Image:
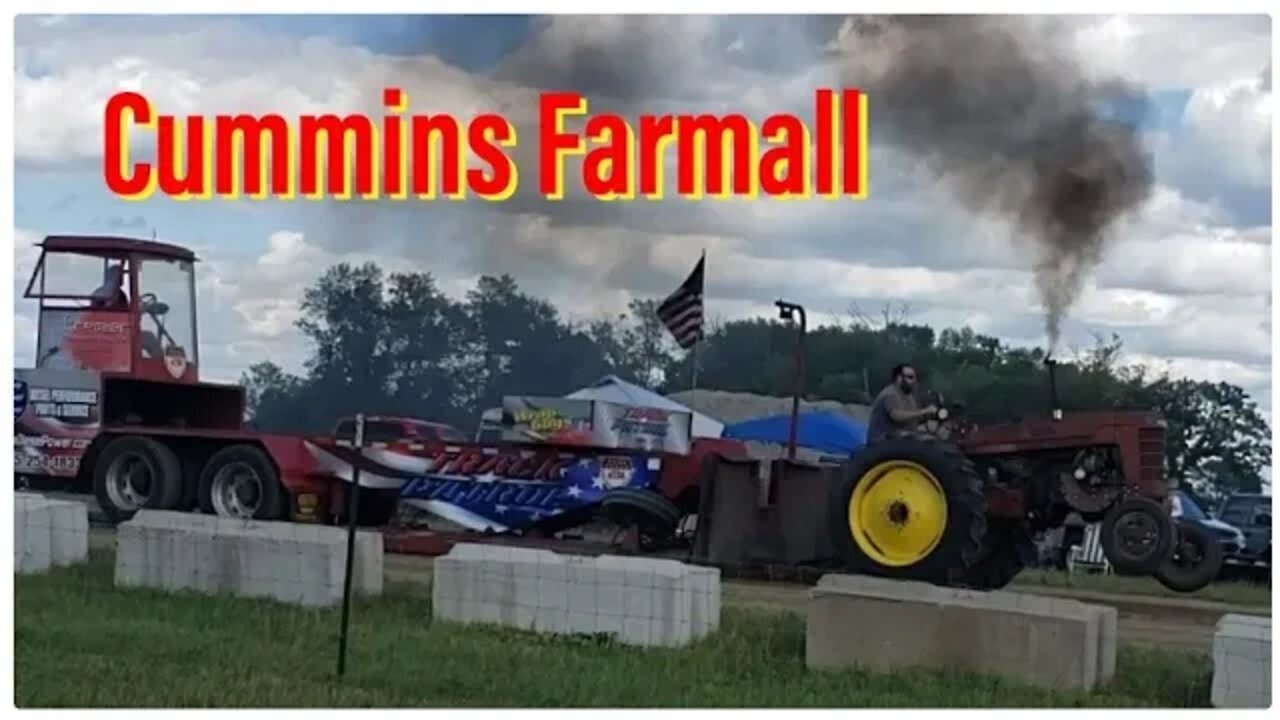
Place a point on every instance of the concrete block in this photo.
(881, 625)
(705, 585)
(1242, 662)
(48, 533)
(639, 601)
(288, 562)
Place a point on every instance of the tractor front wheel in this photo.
(909, 507)
(1137, 536)
(1195, 562)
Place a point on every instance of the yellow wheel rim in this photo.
(898, 513)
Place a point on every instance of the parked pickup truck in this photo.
(1252, 514)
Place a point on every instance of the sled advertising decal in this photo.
(55, 420)
(642, 428)
(19, 398)
(595, 423)
(482, 488)
(559, 421)
(84, 340)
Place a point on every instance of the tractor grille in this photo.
(1151, 456)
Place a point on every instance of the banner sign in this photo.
(642, 428)
(595, 423)
(56, 416)
(552, 420)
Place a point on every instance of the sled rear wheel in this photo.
(135, 472)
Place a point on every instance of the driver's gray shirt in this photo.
(882, 423)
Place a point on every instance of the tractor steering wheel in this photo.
(947, 422)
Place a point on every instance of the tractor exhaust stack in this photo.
(1054, 407)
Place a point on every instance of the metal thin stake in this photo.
(352, 514)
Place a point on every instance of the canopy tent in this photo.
(612, 388)
(829, 432)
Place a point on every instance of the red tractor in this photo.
(960, 504)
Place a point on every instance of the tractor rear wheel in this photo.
(1006, 549)
(909, 507)
(1137, 536)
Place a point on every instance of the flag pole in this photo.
(693, 385)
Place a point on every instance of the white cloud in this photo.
(1231, 122)
(1172, 52)
(1181, 281)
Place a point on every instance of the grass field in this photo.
(1235, 592)
(82, 643)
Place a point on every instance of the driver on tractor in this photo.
(895, 408)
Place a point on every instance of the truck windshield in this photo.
(1236, 511)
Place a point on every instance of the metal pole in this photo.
(352, 515)
(787, 310)
(693, 384)
(799, 387)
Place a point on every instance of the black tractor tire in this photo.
(1007, 550)
(272, 500)
(1195, 561)
(160, 462)
(1137, 536)
(958, 546)
(655, 515)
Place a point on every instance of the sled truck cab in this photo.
(116, 345)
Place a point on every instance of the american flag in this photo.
(681, 312)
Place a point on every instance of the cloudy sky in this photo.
(1185, 280)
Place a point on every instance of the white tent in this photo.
(612, 388)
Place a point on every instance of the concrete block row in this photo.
(48, 533)
(882, 625)
(288, 562)
(1242, 662)
(638, 601)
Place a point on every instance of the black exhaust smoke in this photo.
(1000, 113)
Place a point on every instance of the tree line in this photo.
(395, 344)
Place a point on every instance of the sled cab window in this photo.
(69, 279)
(83, 321)
(166, 308)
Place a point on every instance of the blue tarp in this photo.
(828, 432)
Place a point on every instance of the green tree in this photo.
(1217, 441)
(398, 344)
